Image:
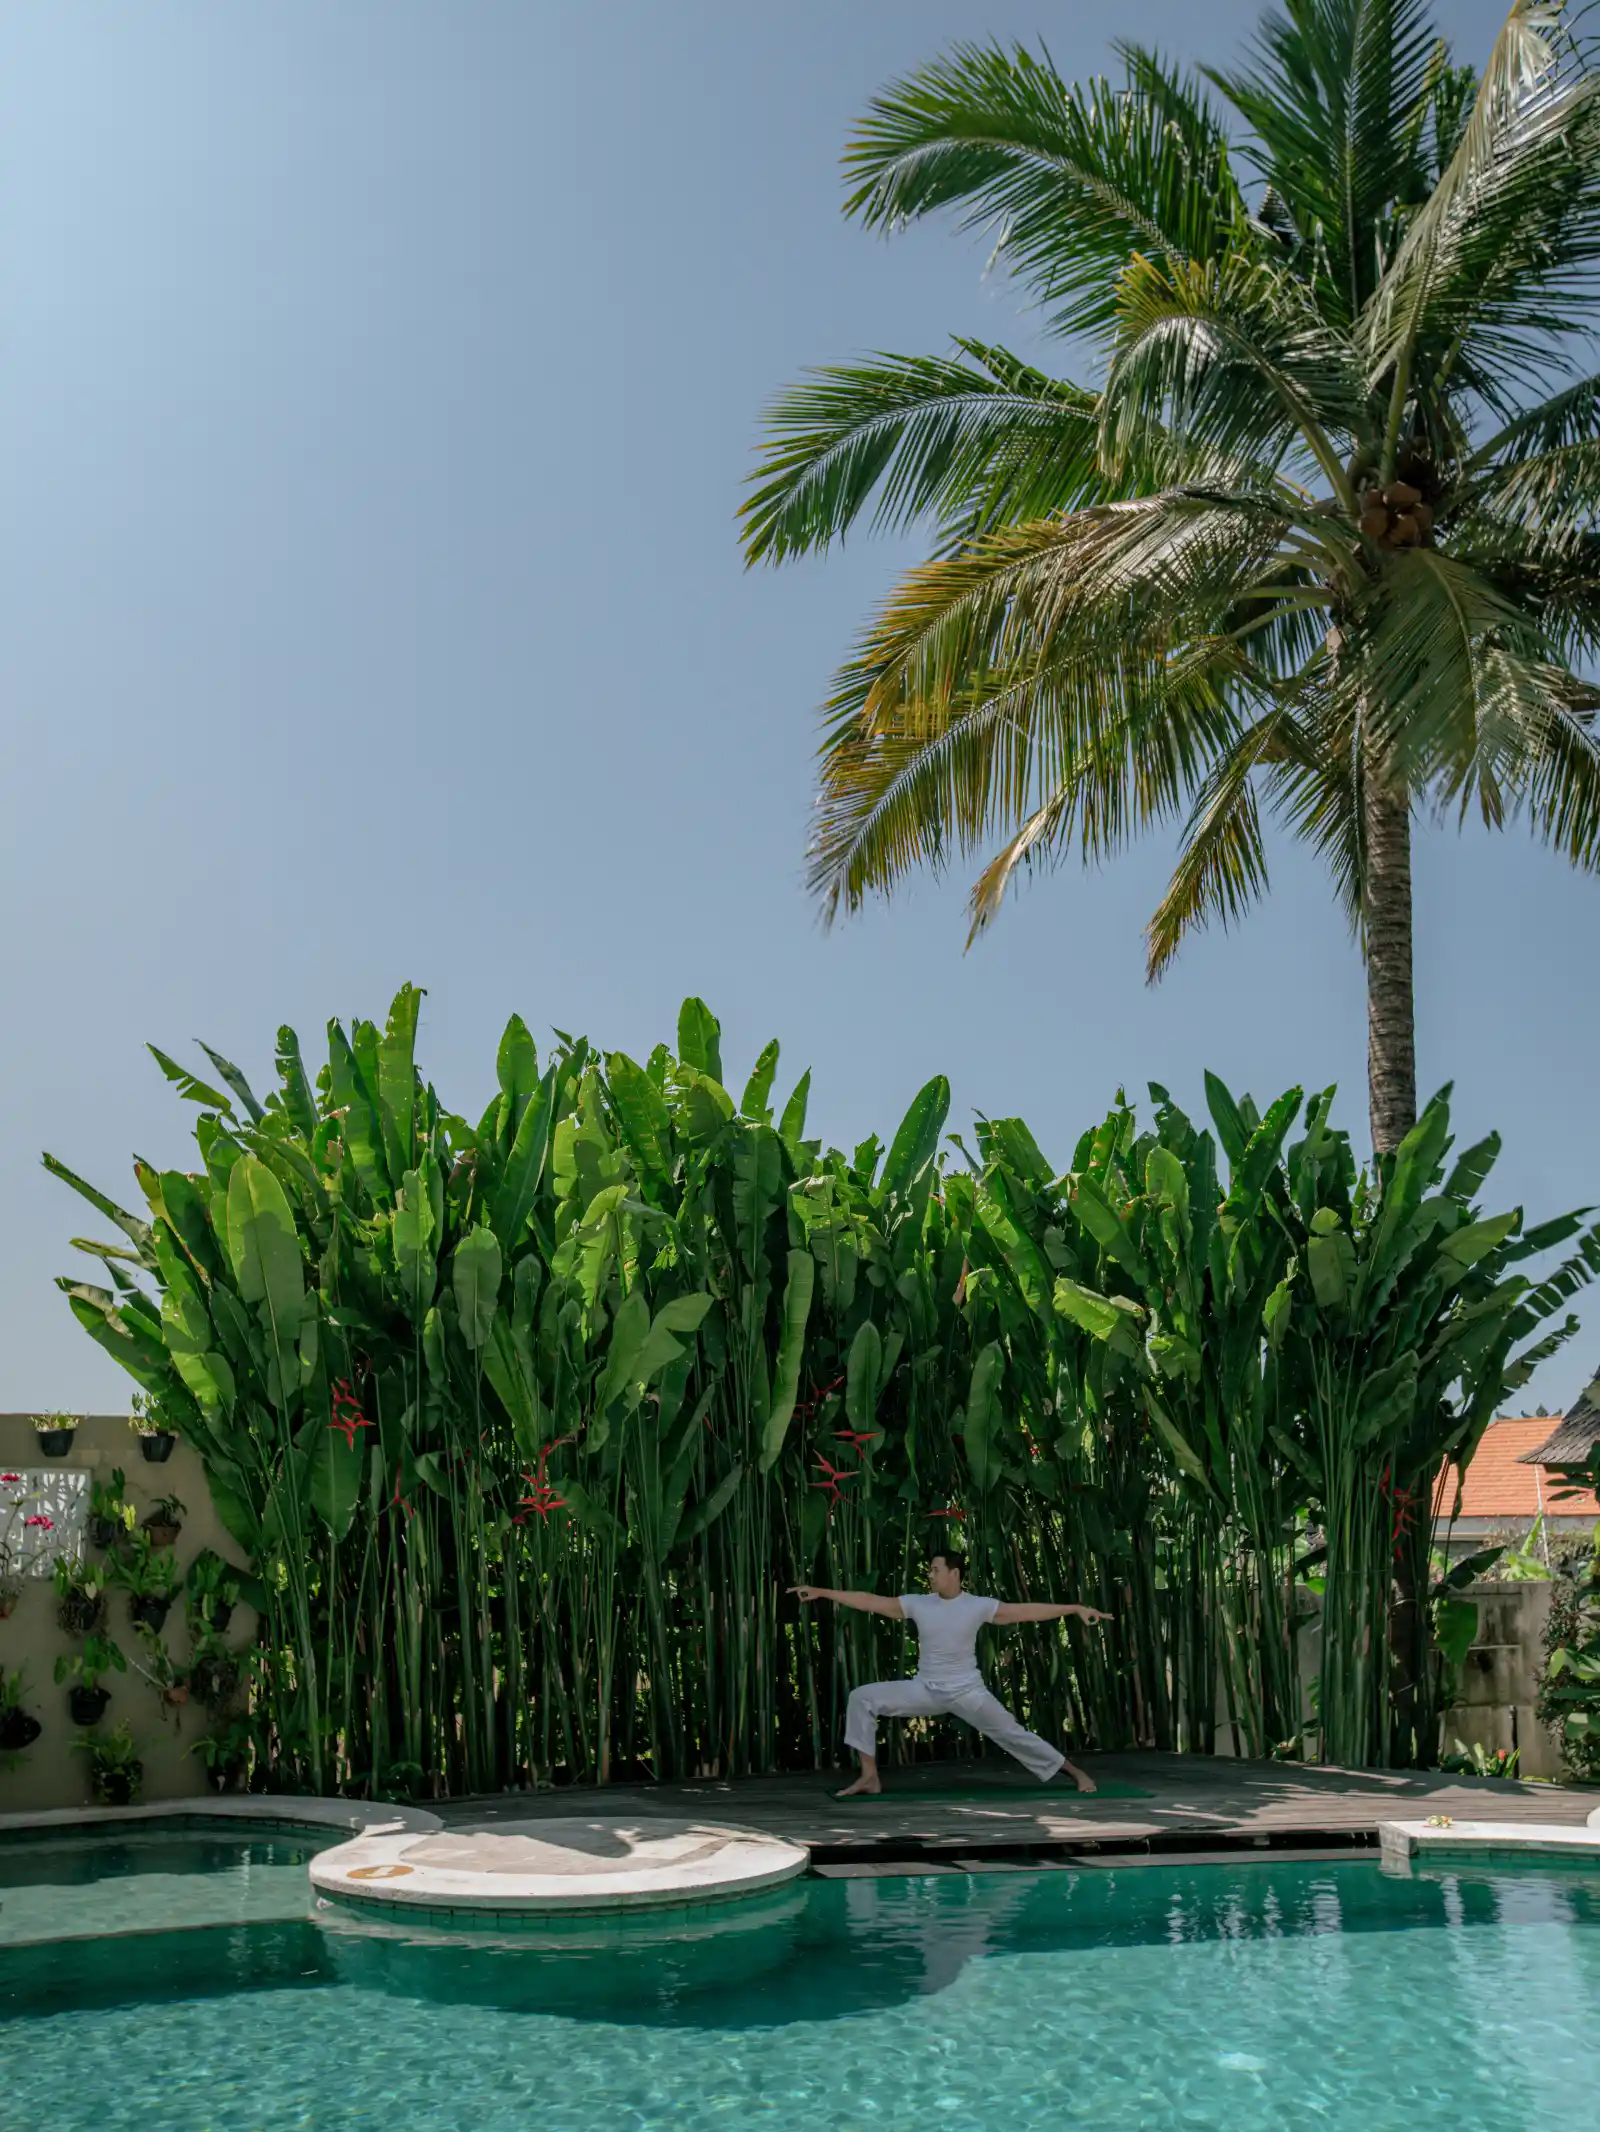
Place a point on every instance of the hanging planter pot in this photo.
(18, 1729)
(156, 1449)
(177, 1695)
(118, 1787)
(221, 1615)
(81, 1613)
(148, 1612)
(104, 1532)
(214, 1678)
(161, 1533)
(88, 1705)
(227, 1775)
(54, 1443)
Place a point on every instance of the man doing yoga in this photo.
(947, 1681)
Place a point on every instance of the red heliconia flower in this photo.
(835, 1473)
(398, 1502)
(49, 1524)
(544, 1499)
(347, 1414)
(830, 1490)
(858, 1437)
(961, 1514)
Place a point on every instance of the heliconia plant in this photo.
(525, 1424)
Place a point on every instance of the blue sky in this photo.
(377, 382)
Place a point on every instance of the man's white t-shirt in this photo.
(947, 1635)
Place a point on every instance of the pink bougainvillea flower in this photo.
(49, 1524)
(10, 1477)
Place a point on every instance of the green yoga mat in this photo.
(904, 1793)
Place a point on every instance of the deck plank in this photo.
(1190, 1795)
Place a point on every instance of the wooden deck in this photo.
(1195, 1801)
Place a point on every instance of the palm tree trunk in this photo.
(1392, 1103)
(1391, 1007)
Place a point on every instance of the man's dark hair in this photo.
(951, 1556)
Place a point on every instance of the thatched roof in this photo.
(1575, 1435)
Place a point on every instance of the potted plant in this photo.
(168, 1680)
(10, 1582)
(149, 1576)
(214, 1672)
(149, 1424)
(19, 1728)
(226, 1754)
(110, 1518)
(80, 1597)
(212, 1589)
(164, 1520)
(116, 1773)
(86, 1669)
(55, 1433)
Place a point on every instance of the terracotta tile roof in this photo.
(1500, 1486)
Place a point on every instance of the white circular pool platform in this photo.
(536, 1868)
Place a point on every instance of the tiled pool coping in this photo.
(1401, 1841)
(277, 1812)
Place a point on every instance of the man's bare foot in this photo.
(863, 1787)
(1080, 1777)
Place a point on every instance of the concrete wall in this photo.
(51, 1772)
(1500, 1680)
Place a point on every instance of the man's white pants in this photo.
(968, 1700)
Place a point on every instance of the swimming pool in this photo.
(1127, 1998)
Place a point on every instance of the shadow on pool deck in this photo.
(1199, 1796)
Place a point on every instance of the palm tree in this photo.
(1319, 545)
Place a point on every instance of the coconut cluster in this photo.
(1396, 517)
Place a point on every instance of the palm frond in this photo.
(1338, 96)
(1227, 357)
(1505, 253)
(1570, 416)
(1555, 495)
(920, 434)
(1563, 789)
(1222, 866)
(1118, 742)
(1419, 670)
(1148, 574)
(1072, 177)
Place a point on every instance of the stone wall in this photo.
(1500, 1680)
(52, 1772)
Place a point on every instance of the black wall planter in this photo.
(148, 1613)
(88, 1705)
(213, 1680)
(104, 1532)
(54, 1443)
(80, 1615)
(116, 1787)
(157, 1449)
(18, 1729)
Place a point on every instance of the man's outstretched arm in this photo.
(1044, 1610)
(861, 1602)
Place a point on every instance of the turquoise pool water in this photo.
(1131, 2000)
